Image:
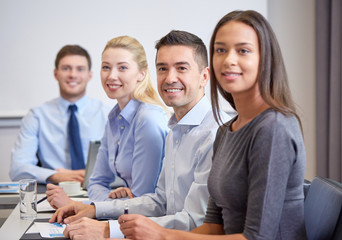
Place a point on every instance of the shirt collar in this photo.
(195, 116)
(80, 103)
(127, 113)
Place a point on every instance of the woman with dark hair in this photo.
(256, 180)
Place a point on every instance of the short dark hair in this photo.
(72, 50)
(183, 38)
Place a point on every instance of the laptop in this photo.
(92, 154)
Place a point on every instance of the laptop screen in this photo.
(92, 153)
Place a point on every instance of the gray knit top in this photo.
(256, 180)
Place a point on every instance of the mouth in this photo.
(73, 83)
(173, 90)
(230, 76)
(113, 86)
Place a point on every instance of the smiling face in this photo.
(236, 58)
(73, 75)
(120, 74)
(180, 81)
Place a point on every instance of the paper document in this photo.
(32, 229)
(50, 230)
(9, 187)
(46, 207)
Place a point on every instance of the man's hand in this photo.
(72, 212)
(56, 196)
(135, 226)
(121, 192)
(86, 228)
(63, 175)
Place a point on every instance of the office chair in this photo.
(322, 208)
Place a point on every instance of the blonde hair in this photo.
(144, 90)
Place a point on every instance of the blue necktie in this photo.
(75, 145)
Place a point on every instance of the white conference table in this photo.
(14, 227)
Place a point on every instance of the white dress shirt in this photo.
(181, 196)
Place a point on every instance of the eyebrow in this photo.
(105, 62)
(70, 65)
(238, 44)
(176, 64)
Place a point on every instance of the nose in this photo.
(113, 74)
(230, 59)
(73, 72)
(171, 77)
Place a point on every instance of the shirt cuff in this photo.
(114, 229)
(104, 210)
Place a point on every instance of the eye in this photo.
(81, 69)
(244, 51)
(161, 69)
(105, 68)
(220, 50)
(122, 68)
(182, 68)
(65, 68)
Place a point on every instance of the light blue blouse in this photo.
(132, 148)
(44, 129)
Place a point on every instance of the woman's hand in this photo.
(121, 192)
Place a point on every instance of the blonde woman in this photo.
(133, 143)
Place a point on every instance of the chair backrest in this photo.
(306, 187)
(322, 209)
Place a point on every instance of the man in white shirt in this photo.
(181, 195)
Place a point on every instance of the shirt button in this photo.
(118, 142)
(122, 127)
(120, 117)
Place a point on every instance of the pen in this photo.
(126, 209)
(41, 200)
(125, 212)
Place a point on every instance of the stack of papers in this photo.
(9, 187)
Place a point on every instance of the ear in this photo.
(90, 75)
(141, 76)
(205, 75)
(55, 73)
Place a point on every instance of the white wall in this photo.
(33, 31)
(294, 24)
(7, 139)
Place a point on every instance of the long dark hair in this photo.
(272, 77)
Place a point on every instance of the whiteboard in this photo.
(33, 31)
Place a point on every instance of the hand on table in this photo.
(121, 192)
(56, 196)
(86, 228)
(72, 212)
(63, 175)
(135, 226)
